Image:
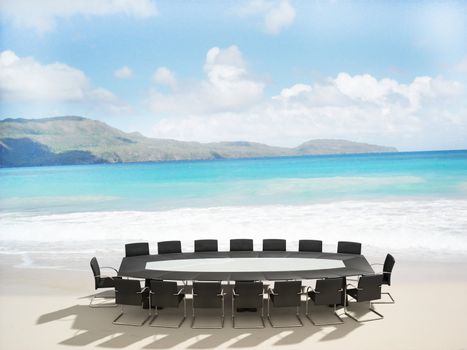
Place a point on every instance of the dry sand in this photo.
(48, 309)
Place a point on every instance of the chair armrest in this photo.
(271, 291)
(311, 289)
(354, 286)
(110, 267)
(234, 293)
(222, 294)
(143, 290)
(105, 276)
(180, 291)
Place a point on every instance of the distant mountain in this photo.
(78, 140)
(339, 147)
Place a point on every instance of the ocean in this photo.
(413, 203)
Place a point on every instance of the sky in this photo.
(280, 72)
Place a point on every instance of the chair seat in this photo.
(353, 292)
(168, 303)
(107, 282)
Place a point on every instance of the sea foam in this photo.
(410, 227)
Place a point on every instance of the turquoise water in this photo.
(290, 180)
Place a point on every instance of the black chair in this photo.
(206, 245)
(169, 247)
(368, 289)
(387, 272)
(274, 245)
(207, 295)
(329, 291)
(136, 249)
(310, 245)
(101, 281)
(285, 294)
(241, 245)
(345, 247)
(165, 294)
(129, 292)
(247, 295)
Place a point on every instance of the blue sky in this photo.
(280, 72)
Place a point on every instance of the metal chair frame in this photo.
(234, 294)
(94, 297)
(193, 315)
(156, 313)
(297, 313)
(309, 289)
(371, 308)
(386, 293)
(123, 312)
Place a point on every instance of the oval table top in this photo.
(232, 266)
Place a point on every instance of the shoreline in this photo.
(427, 229)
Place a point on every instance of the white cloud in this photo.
(275, 15)
(42, 15)
(123, 72)
(428, 112)
(23, 79)
(228, 86)
(279, 17)
(164, 76)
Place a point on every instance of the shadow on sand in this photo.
(94, 325)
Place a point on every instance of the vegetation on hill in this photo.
(78, 140)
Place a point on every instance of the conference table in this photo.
(248, 265)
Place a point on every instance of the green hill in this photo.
(78, 140)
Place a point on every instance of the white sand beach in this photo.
(48, 309)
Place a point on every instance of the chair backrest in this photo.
(169, 247)
(310, 245)
(164, 293)
(250, 294)
(288, 293)
(205, 294)
(369, 287)
(330, 291)
(127, 292)
(241, 245)
(96, 271)
(206, 245)
(349, 247)
(387, 269)
(136, 249)
(278, 245)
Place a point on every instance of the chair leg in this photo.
(257, 327)
(386, 302)
(166, 326)
(100, 306)
(97, 306)
(287, 326)
(193, 318)
(371, 308)
(325, 323)
(128, 323)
